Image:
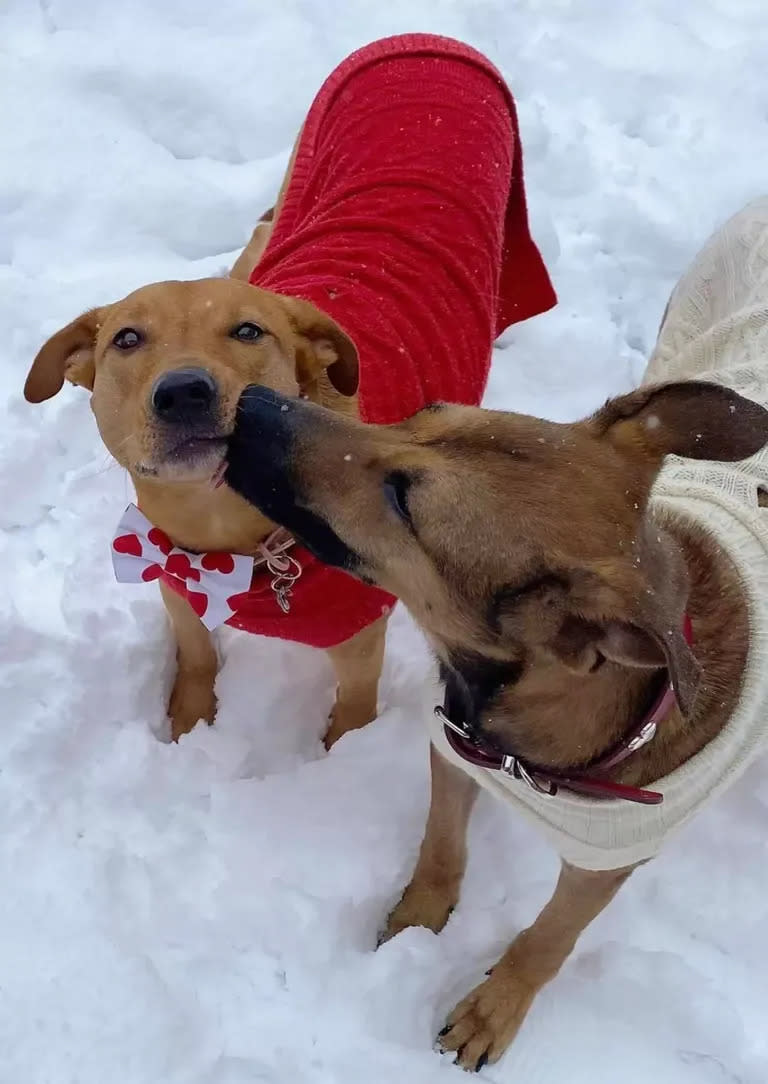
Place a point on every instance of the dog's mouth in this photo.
(193, 459)
(192, 449)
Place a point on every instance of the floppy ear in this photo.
(694, 419)
(322, 346)
(582, 616)
(641, 619)
(67, 354)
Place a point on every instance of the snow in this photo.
(207, 913)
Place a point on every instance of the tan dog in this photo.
(413, 235)
(559, 603)
(166, 367)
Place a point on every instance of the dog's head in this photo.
(511, 539)
(167, 365)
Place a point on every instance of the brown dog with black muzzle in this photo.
(599, 615)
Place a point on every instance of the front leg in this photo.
(357, 663)
(434, 888)
(483, 1025)
(192, 697)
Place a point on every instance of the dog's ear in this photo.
(639, 615)
(694, 419)
(322, 346)
(69, 354)
(582, 616)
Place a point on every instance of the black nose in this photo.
(183, 395)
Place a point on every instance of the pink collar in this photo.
(588, 781)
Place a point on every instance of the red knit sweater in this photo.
(405, 221)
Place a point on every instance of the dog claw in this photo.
(482, 1062)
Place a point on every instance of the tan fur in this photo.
(357, 664)
(482, 1026)
(531, 544)
(189, 323)
(434, 888)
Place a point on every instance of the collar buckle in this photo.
(458, 728)
(514, 767)
(643, 737)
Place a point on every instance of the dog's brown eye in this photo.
(396, 486)
(247, 332)
(127, 338)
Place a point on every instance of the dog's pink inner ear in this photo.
(693, 419)
(67, 354)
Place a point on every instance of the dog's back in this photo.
(405, 221)
(716, 324)
(716, 329)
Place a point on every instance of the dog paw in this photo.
(482, 1026)
(425, 905)
(192, 699)
(346, 717)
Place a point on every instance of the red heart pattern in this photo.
(161, 540)
(218, 562)
(178, 564)
(198, 602)
(206, 580)
(128, 543)
(236, 601)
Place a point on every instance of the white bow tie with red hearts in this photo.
(142, 552)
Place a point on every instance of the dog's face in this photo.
(168, 363)
(509, 538)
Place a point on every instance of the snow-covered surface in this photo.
(207, 913)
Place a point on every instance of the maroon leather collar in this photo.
(589, 780)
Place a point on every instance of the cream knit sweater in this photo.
(716, 328)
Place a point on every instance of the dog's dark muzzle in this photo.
(259, 456)
(272, 433)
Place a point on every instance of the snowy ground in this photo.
(206, 914)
